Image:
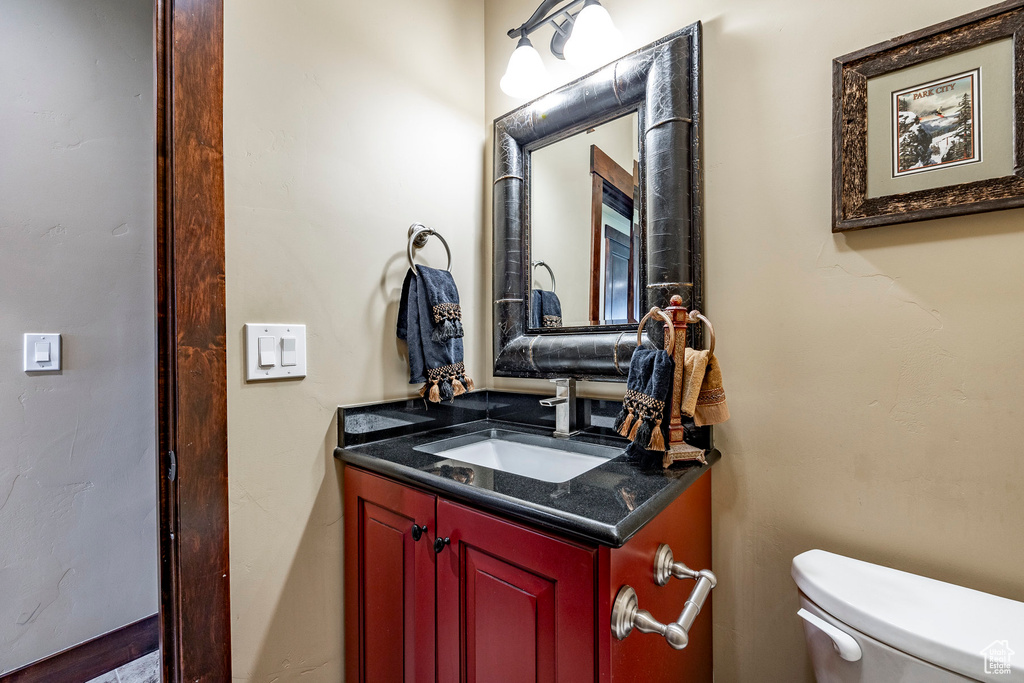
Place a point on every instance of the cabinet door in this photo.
(389, 581)
(513, 605)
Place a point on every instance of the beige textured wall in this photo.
(344, 123)
(874, 378)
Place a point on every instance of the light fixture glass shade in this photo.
(525, 75)
(594, 39)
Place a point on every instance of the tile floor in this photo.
(143, 670)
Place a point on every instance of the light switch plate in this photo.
(254, 372)
(31, 364)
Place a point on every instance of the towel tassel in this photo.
(443, 332)
(460, 389)
(643, 433)
(435, 393)
(636, 426)
(626, 423)
(620, 419)
(657, 438)
(447, 391)
(469, 383)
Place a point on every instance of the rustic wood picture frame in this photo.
(852, 209)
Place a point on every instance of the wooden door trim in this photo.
(195, 614)
(610, 170)
(596, 240)
(605, 169)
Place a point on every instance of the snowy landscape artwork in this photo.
(936, 125)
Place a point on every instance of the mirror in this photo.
(598, 214)
(585, 228)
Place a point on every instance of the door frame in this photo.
(604, 169)
(195, 617)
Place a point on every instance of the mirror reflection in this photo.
(584, 228)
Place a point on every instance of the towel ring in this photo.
(671, 347)
(697, 316)
(418, 234)
(538, 264)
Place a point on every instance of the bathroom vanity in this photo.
(456, 571)
(478, 547)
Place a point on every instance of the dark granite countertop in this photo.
(605, 505)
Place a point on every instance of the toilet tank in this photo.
(936, 624)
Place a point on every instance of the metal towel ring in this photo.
(418, 234)
(671, 347)
(697, 316)
(538, 264)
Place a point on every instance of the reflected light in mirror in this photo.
(525, 75)
(594, 39)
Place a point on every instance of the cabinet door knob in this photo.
(440, 543)
(418, 531)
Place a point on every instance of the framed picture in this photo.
(931, 124)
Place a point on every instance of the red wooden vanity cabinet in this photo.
(501, 602)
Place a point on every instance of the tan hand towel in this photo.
(711, 406)
(694, 366)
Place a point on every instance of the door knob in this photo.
(440, 543)
(418, 531)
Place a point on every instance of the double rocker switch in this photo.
(268, 352)
(274, 351)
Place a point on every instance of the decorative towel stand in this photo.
(418, 235)
(676, 318)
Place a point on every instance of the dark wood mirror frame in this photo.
(195, 618)
(663, 82)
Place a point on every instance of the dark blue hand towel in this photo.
(434, 360)
(648, 395)
(545, 309)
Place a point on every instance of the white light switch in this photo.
(42, 352)
(268, 357)
(274, 352)
(288, 356)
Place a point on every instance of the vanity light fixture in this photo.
(586, 37)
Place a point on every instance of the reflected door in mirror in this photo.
(614, 242)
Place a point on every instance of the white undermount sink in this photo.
(529, 455)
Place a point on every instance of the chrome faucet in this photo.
(564, 403)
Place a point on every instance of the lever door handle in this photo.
(440, 543)
(418, 531)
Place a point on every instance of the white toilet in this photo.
(870, 624)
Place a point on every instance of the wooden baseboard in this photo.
(94, 657)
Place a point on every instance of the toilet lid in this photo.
(963, 630)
